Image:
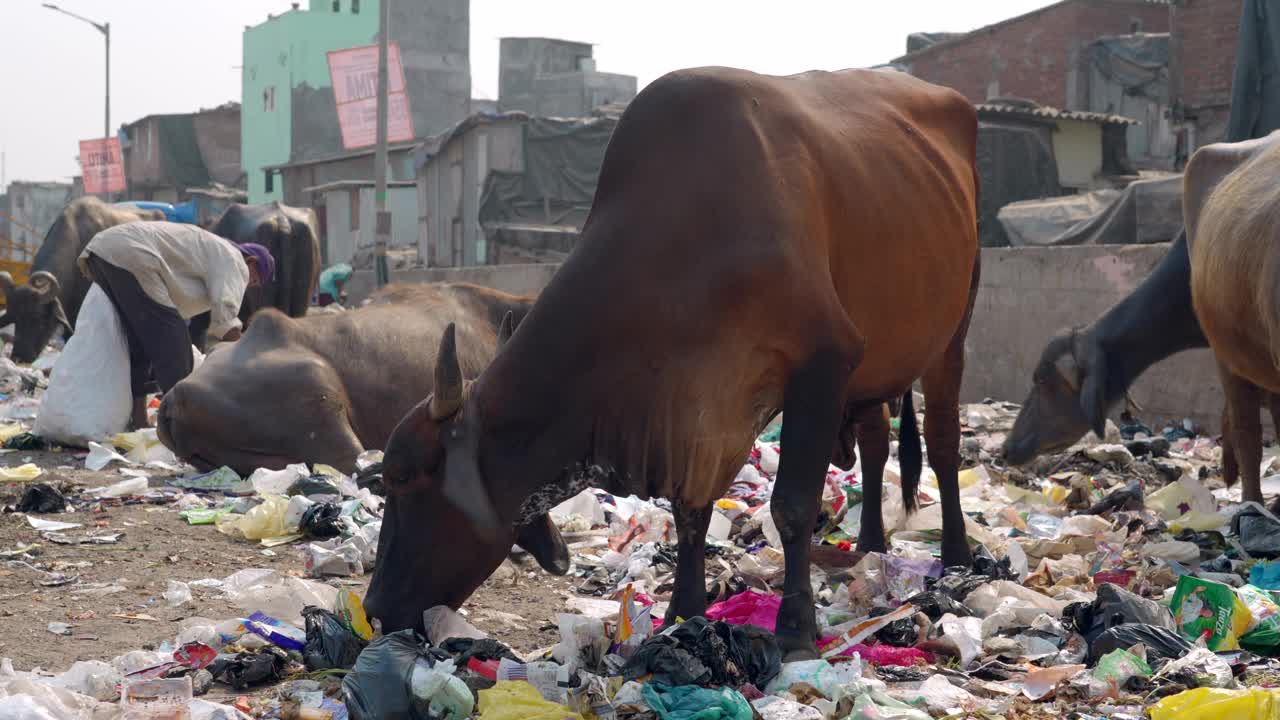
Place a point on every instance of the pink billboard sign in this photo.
(354, 74)
(102, 165)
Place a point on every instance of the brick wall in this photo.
(1033, 56)
(1206, 36)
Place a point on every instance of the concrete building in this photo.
(1205, 35)
(1040, 55)
(344, 208)
(32, 208)
(166, 155)
(1088, 147)
(289, 115)
(556, 78)
(508, 188)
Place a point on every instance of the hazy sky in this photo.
(171, 56)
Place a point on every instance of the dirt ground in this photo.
(156, 546)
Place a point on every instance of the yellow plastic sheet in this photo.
(1198, 521)
(264, 522)
(1216, 704)
(518, 700)
(21, 473)
(9, 430)
(352, 610)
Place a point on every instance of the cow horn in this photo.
(45, 283)
(447, 398)
(6, 281)
(505, 329)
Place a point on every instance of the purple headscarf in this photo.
(266, 263)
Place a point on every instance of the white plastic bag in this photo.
(89, 396)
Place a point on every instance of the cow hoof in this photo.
(957, 557)
(800, 654)
(795, 649)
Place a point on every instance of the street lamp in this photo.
(105, 29)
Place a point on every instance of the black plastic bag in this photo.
(698, 652)
(463, 649)
(371, 479)
(1128, 497)
(330, 644)
(900, 633)
(313, 485)
(321, 521)
(936, 603)
(26, 441)
(378, 685)
(957, 585)
(245, 669)
(41, 498)
(984, 563)
(754, 650)
(1116, 606)
(1259, 534)
(1162, 644)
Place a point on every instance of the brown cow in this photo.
(1231, 208)
(745, 254)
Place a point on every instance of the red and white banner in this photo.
(102, 165)
(354, 74)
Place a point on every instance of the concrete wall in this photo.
(517, 279)
(555, 78)
(1026, 296)
(1029, 294)
(342, 237)
(1038, 56)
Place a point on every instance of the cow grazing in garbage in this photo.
(291, 234)
(1231, 208)
(325, 388)
(1084, 372)
(744, 255)
(51, 298)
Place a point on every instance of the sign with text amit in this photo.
(354, 74)
(102, 165)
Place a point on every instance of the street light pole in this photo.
(382, 221)
(105, 29)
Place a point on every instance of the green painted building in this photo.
(287, 111)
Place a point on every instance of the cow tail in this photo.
(910, 455)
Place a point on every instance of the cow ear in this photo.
(505, 329)
(1093, 393)
(542, 539)
(446, 398)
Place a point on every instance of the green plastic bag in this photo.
(690, 702)
(1211, 612)
(1116, 667)
(876, 705)
(1263, 636)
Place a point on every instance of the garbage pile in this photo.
(1116, 579)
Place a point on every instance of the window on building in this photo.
(355, 7)
(269, 99)
(268, 181)
(337, 6)
(1135, 25)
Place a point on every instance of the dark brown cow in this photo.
(757, 244)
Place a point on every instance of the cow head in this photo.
(1067, 398)
(446, 527)
(35, 311)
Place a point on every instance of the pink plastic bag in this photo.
(882, 654)
(748, 608)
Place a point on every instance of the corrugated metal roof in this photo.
(1044, 112)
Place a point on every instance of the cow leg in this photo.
(812, 409)
(1244, 403)
(941, 385)
(873, 442)
(1230, 470)
(689, 598)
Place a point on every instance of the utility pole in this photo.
(105, 29)
(382, 226)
